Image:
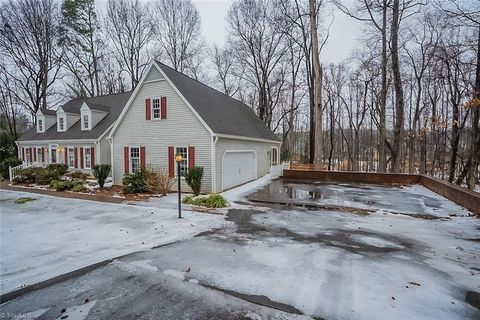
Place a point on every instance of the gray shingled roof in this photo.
(113, 103)
(48, 112)
(223, 114)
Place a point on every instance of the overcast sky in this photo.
(344, 31)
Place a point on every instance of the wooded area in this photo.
(407, 100)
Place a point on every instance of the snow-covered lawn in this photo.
(50, 236)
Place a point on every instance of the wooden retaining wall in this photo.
(460, 195)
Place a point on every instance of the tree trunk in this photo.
(475, 143)
(397, 82)
(382, 160)
(317, 71)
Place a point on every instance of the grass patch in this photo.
(23, 200)
(211, 201)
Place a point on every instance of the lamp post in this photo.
(178, 159)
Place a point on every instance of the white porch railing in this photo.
(277, 171)
(13, 171)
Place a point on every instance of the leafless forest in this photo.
(407, 100)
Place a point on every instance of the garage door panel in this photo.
(238, 167)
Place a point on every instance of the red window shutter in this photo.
(75, 156)
(171, 161)
(31, 154)
(66, 156)
(43, 154)
(92, 155)
(148, 109)
(163, 107)
(125, 160)
(191, 157)
(81, 158)
(35, 155)
(142, 157)
(23, 154)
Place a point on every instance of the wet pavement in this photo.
(411, 200)
(283, 262)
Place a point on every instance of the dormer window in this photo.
(40, 124)
(61, 123)
(86, 120)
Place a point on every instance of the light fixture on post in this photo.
(179, 159)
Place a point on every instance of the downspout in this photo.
(98, 160)
(213, 156)
(110, 141)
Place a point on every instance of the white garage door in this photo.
(238, 167)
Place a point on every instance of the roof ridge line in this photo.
(200, 82)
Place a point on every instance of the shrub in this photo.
(159, 181)
(58, 185)
(79, 187)
(6, 163)
(77, 174)
(101, 172)
(211, 201)
(135, 182)
(30, 175)
(57, 169)
(193, 177)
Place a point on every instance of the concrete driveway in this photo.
(282, 262)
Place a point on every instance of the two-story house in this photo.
(168, 113)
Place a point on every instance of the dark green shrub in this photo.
(101, 172)
(28, 175)
(58, 185)
(6, 163)
(212, 201)
(135, 182)
(193, 177)
(57, 169)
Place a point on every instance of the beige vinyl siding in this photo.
(181, 128)
(154, 74)
(261, 149)
(104, 157)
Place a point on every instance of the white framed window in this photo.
(134, 159)
(39, 154)
(156, 108)
(183, 151)
(85, 121)
(87, 158)
(71, 157)
(40, 124)
(273, 156)
(27, 155)
(53, 153)
(61, 124)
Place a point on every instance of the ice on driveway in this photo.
(337, 265)
(51, 236)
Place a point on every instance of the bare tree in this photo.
(129, 26)
(223, 60)
(177, 29)
(28, 32)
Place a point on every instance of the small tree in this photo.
(101, 172)
(159, 181)
(193, 177)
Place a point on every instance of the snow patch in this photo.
(78, 312)
(175, 273)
